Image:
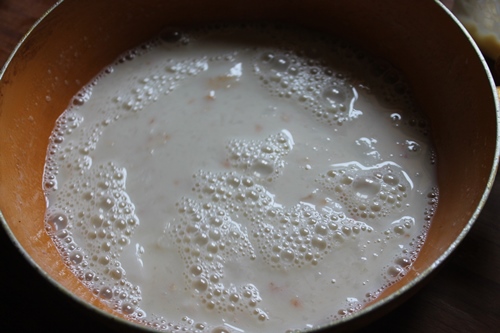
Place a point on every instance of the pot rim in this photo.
(366, 311)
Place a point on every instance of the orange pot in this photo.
(77, 39)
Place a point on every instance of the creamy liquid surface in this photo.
(241, 180)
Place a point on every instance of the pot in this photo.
(76, 39)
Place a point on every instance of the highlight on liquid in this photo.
(256, 178)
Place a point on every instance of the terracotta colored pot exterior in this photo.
(78, 38)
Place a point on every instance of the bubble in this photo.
(348, 179)
(376, 207)
(214, 234)
(292, 70)
(288, 255)
(123, 241)
(262, 168)
(394, 271)
(248, 182)
(267, 57)
(413, 146)
(89, 276)
(106, 246)
(120, 224)
(335, 94)
(280, 63)
(396, 119)
(63, 234)
(366, 186)
(196, 270)
(76, 257)
(202, 239)
(399, 230)
(390, 179)
(57, 222)
(97, 220)
(106, 293)
(234, 181)
(403, 261)
(200, 326)
(104, 260)
(116, 273)
(128, 308)
(107, 203)
(200, 285)
(234, 297)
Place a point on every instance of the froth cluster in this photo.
(286, 75)
(92, 221)
(186, 324)
(261, 159)
(325, 77)
(369, 193)
(285, 238)
(207, 238)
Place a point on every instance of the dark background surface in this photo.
(464, 295)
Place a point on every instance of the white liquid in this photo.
(227, 183)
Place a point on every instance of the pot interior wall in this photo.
(77, 39)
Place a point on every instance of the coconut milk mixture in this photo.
(250, 179)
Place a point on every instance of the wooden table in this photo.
(462, 297)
